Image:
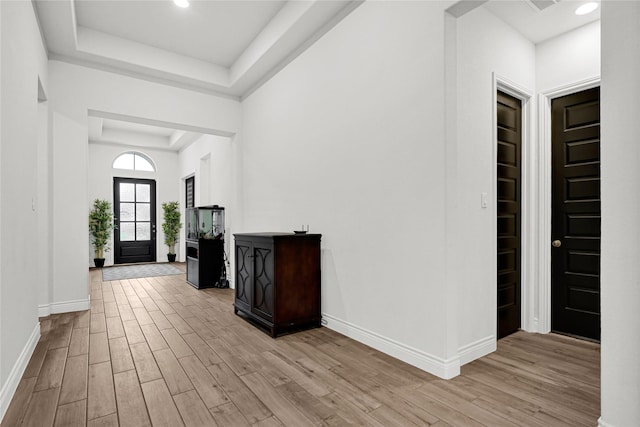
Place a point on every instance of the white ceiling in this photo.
(212, 31)
(224, 47)
(540, 25)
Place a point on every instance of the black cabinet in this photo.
(205, 247)
(278, 280)
(205, 263)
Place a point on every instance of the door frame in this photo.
(543, 295)
(525, 96)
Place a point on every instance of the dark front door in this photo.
(135, 212)
(575, 229)
(509, 124)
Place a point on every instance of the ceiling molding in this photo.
(293, 29)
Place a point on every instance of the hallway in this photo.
(155, 351)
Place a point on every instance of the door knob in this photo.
(556, 243)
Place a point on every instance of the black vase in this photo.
(171, 257)
(99, 262)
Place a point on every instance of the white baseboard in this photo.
(10, 386)
(476, 350)
(63, 307)
(442, 368)
(603, 423)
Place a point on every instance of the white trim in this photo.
(45, 310)
(442, 368)
(604, 423)
(476, 350)
(543, 197)
(528, 281)
(10, 386)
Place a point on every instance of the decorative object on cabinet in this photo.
(100, 226)
(171, 227)
(277, 277)
(205, 247)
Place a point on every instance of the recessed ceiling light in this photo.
(586, 8)
(181, 3)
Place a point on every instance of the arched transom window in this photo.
(135, 161)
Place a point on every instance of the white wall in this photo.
(23, 60)
(215, 186)
(100, 183)
(485, 45)
(569, 58)
(620, 154)
(74, 92)
(349, 138)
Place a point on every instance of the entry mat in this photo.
(137, 271)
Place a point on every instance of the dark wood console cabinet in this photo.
(278, 280)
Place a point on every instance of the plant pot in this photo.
(99, 262)
(171, 257)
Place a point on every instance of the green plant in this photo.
(171, 225)
(100, 226)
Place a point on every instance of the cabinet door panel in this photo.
(263, 280)
(244, 273)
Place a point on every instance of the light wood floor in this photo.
(157, 352)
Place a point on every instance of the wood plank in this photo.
(42, 408)
(98, 348)
(228, 415)
(208, 388)
(79, 343)
(37, 358)
(177, 344)
(204, 352)
(154, 337)
(162, 409)
(82, 319)
(314, 408)
(110, 420)
(114, 327)
(126, 313)
(121, 359)
(193, 410)
(52, 369)
(160, 320)
(72, 414)
(133, 332)
(149, 304)
(145, 363)
(111, 309)
(284, 410)
(132, 410)
(74, 382)
(142, 316)
(98, 323)
(101, 399)
(173, 374)
(179, 324)
(60, 335)
(269, 422)
(19, 402)
(247, 402)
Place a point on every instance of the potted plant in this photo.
(171, 227)
(100, 226)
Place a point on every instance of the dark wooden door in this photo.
(509, 124)
(575, 229)
(135, 212)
